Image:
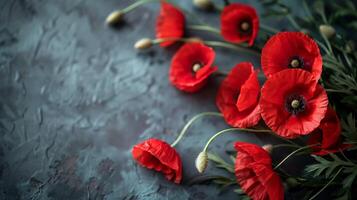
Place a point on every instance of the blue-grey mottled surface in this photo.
(75, 97)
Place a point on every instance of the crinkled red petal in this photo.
(181, 72)
(160, 156)
(254, 173)
(231, 17)
(328, 135)
(284, 46)
(170, 23)
(238, 96)
(272, 103)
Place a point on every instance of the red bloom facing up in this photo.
(191, 66)
(291, 50)
(328, 134)
(238, 96)
(292, 103)
(254, 173)
(170, 23)
(160, 156)
(239, 23)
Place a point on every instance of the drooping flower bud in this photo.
(268, 148)
(114, 17)
(203, 4)
(143, 43)
(327, 30)
(201, 161)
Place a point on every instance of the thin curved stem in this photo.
(210, 43)
(292, 153)
(327, 184)
(190, 122)
(136, 4)
(204, 28)
(286, 145)
(268, 29)
(231, 129)
(232, 46)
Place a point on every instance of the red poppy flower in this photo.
(291, 50)
(239, 23)
(170, 23)
(292, 103)
(238, 96)
(254, 173)
(191, 66)
(160, 156)
(328, 134)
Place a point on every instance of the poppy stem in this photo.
(229, 130)
(232, 46)
(268, 29)
(323, 188)
(204, 28)
(190, 122)
(293, 153)
(135, 5)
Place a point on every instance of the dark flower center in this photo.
(295, 104)
(196, 66)
(245, 27)
(296, 62)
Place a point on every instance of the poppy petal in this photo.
(160, 156)
(170, 23)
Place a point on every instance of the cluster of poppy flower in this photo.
(291, 102)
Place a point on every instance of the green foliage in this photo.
(220, 163)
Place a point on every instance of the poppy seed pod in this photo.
(203, 4)
(114, 17)
(327, 30)
(143, 43)
(268, 148)
(201, 161)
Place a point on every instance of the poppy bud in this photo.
(143, 43)
(268, 148)
(195, 39)
(201, 161)
(114, 17)
(203, 4)
(327, 30)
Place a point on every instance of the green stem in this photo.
(323, 188)
(136, 4)
(268, 29)
(211, 43)
(292, 153)
(204, 28)
(232, 46)
(231, 129)
(286, 145)
(337, 91)
(189, 123)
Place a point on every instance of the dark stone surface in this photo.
(76, 97)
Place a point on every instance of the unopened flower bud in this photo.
(327, 30)
(143, 43)
(114, 17)
(203, 4)
(350, 46)
(195, 39)
(201, 161)
(268, 148)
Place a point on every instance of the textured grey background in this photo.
(75, 97)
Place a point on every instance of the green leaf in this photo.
(220, 163)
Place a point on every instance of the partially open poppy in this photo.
(328, 135)
(292, 103)
(158, 155)
(238, 96)
(254, 173)
(294, 50)
(170, 23)
(191, 66)
(239, 23)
